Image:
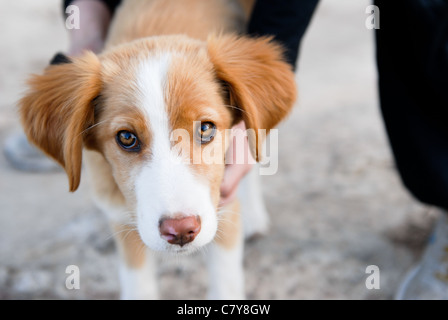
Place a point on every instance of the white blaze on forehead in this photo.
(151, 85)
(166, 186)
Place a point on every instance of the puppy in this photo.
(173, 78)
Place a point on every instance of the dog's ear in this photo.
(57, 110)
(258, 79)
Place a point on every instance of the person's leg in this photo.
(286, 20)
(94, 21)
(413, 80)
(412, 58)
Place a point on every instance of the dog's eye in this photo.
(206, 132)
(128, 141)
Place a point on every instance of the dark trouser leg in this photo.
(412, 57)
(286, 20)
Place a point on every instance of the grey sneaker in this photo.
(429, 279)
(25, 157)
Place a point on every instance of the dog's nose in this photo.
(180, 230)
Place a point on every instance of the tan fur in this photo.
(247, 6)
(130, 245)
(102, 181)
(229, 229)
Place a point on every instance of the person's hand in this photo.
(94, 23)
(237, 169)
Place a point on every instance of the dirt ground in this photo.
(336, 203)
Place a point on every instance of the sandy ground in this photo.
(336, 203)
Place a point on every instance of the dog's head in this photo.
(153, 108)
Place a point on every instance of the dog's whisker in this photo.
(141, 249)
(92, 126)
(119, 232)
(236, 108)
(241, 110)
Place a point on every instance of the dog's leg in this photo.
(225, 257)
(137, 265)
(253, 211)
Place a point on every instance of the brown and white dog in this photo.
(167, 65)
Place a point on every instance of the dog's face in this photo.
(155, 116)
(157, 110)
